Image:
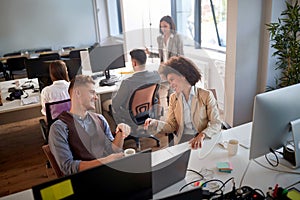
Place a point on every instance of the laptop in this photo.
(127, 178)
(170, 171)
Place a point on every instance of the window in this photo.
(206, 26)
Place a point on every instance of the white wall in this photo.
(242, 59)
(27, 24)
(249, 64)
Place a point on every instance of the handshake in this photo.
(123, 129)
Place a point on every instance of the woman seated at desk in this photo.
(193, 112)
(59, 88)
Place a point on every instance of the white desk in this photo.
(256, 176)
(206, 158)
(13, 111)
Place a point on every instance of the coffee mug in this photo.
(129, 152)
(232, 147)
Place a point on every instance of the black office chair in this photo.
(76, 53)
(42, 50)
(68, 48)
(53, 109)
(142, 105)
(12, 54)
(3, 71)
(16, 66)
(49, 56)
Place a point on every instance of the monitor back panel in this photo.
(127, 178)
(170, 171)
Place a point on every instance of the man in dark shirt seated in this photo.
(141, 76)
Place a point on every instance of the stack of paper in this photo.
(224, 167)
(30, 100)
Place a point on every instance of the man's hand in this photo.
(123, 129)
(111, 157)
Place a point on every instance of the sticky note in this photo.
(225, 166)
(58, 191)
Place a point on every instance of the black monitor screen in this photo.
(107, 57)
(74, 67)
(37, 68)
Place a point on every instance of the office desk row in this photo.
(245, 173)
(13, 111)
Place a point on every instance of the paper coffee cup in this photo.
(232, 147)
(129, 152)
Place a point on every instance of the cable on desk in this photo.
(292, 185)
(277, 160)
(283, 171)
(191, 170)
(223, 186)
(189, 184)
(244, 174)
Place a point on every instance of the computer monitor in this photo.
(105, 58)
(39, 69)
(127, 178)
(74, 67)
(276, 122)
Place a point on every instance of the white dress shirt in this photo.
(56, 92)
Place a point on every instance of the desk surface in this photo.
(16, 104)
(245, 172)
(13, 111)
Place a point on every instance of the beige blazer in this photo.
(205, 115)
(175, 47)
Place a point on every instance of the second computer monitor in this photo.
(105, 58)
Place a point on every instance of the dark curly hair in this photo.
(182, 66)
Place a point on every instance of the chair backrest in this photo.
(75, 53)
(12, 54)
(52, 161)
(16, 63)
(53, 109)
(42, 50)
(49, 56)
(141, 102)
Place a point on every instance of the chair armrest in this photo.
(225, 126)
(44, 130)
(170, 138)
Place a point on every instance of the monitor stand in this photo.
(291, 154)
(295, 125)
(109, 79)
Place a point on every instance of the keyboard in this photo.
(97, 75)
(108, 82)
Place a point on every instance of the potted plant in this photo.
(285, 38)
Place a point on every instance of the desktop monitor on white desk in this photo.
(105, 58)
(276, 124)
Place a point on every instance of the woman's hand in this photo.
(147, 51)
(150, 122)
(197, 141)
